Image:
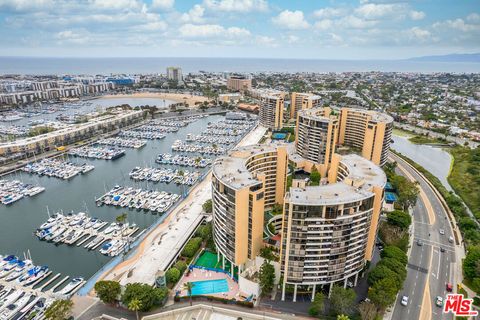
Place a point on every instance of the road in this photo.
(429, 269)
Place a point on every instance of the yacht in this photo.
(13, 308)
(41, 273)
(71, 286)
(11, 298)
(53, 220)
(7, 259)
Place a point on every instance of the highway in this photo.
(429, 269)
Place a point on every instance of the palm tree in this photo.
(189, 286)
(121, 218)
(135, 305)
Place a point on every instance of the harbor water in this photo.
(434, 159)
(19, 220)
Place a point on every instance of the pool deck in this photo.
(202, 275)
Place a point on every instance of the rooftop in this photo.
(231, 169)
(363, 175)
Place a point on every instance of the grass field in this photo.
(402, 133)
(426, 140)
(208, 260)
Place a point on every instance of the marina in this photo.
(13, 190)
(129, 197)
(122, 142)
(180, 146)
(141, 134)
(97, 152)
(26, 289)
(164, 175)
(80, 195)
(184, 161)
(79, 229)
(57, 168)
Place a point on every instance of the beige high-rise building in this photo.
(301, 101)
(244, 183)
(315, 138)
(239, 83)
(368, 131)
(328, 231)
(271, 111)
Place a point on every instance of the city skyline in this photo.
(248, 28)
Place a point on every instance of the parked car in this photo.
(404, 301)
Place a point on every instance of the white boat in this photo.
(78, 219)
(13, 308)
(11, 298)
(107, 247)
(112, 227)
(18, 270)
(71, 286)
(53, 220)
(43, 270)
(6, 260)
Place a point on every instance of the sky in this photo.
(302, 29)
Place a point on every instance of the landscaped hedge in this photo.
(247, 304)
(192, 247)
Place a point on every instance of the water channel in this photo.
(19, 220)
(434, 159)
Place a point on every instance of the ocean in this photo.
(92, 66)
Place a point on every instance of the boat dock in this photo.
(129, 197)
(78, 229)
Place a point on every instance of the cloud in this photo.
(353, 22)
(116, 4)
(194, 15)
(236, 5)
(292, 20)
(69, 36)
(323, 25)
(458, 24)
(329, 12)
(152, 26)
(473, 17)
(163, 4)
(24, 5)
(191, 31)
(417, 33)
(266, 41)
(378, 11)
(416, 15)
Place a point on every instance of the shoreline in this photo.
(175, 97)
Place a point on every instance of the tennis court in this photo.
(207, 260)
(209, 287)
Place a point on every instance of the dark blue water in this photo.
(36, 66)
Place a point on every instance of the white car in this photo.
(404, 301)
(442, 232)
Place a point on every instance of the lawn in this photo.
(465, 177)
(427, 140)
(402, 133)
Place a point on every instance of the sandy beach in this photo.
(178, 97)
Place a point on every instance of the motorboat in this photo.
(53, 220)
(7, 259)
(10, 310)
(72, 285)
(37, 276)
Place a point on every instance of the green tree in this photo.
(267, 253)
(380, 272)
(188, 286)
(181, 266)
(314, 177)
(399, 218)
(191, 247)
(383, 293)
(205, 232)
(318, 305)
(59, 310)
(146, 294)
(208, 206)
(395, 253)
(172, 275)
(471, 267)
(135, 305)
(407, 191)
(342, 300)
(267, 277)
(108, 291)
(394, 265)
(367, 310)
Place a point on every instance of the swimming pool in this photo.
(279, 135)
(209, 287)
